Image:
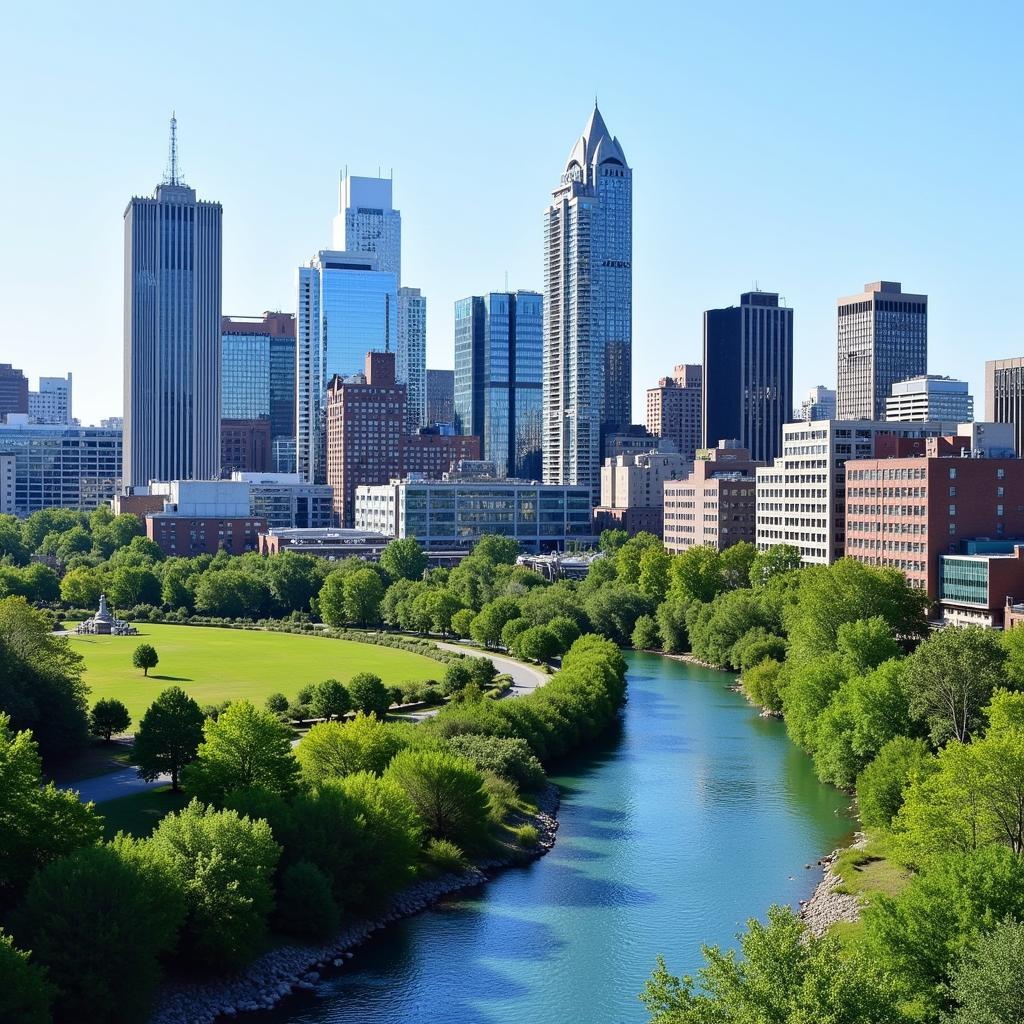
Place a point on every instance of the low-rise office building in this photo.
(980, 586)
(285, 500)
(929, 397)
(632, 490)
(457, 511)
(329, 542)
(431, 453)
(203, 516)
(715, 503)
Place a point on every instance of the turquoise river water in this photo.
(693, 816)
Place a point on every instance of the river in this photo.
(693, 816)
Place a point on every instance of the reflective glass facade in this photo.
(498, 378)
(964, 579)
(245, 377)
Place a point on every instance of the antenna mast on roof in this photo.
(172, 176)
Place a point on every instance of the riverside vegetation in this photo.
(927, 730)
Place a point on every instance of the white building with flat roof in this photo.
(929, 397)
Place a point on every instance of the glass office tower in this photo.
(588, 307)
(498, 378)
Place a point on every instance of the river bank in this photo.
(827, 906)
(282, 970)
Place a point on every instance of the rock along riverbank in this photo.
(827, 906)
(285, 969)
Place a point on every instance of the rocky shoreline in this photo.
(827, 907)
(285, 969)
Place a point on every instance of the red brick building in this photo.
(906, 513)
(365, 424)
(245, 446)
(432, 453)
(196, 535)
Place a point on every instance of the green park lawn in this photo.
(214, 665)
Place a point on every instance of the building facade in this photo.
(588, 307)
(431, 454)
(286, 501)
(52, 402)
(632, 490)
(1004, 395)
(930, 397)
(61, 467)
(346, 307)
(906, 513)
(246, 446)
(411, 356)
(172, 316)
(365, 424)
(820, 404)
(748, 374)
(883, 338)
(674, 408)
(440, 397)
(203, 517)
(714, 504)
(8, 478)
(367, 221)
(13, 391)
(457, 512)
(498, 377)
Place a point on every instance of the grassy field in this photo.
(214, 665)
(866, 873)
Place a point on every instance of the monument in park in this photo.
(103, 623)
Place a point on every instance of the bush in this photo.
(368, 694)
(526, 835)
(276, 704)
(336, 749)
(445, 856)
(882, 783)
(507, 757)
(761, 684)
(456, 676)
(305, 904)
(502, 797)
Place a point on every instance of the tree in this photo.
(697, 573)
(145, 657)
(457, 676)
(988, 981)
(654, 572)
(497, 550)
(37, 824)
(486, 627)
(108, 717)
(25, 994)
(335, 749)
(628, 557)
(244, 748)
(404, 558)
(645, 634)
(775, 561)
(139, 551)
(951, 677)
(130, 585)
(511, 630)
(783, 976)
(329, 700)
(611, 540)
(671, 615)
(806, 690)
(508, 757)
(369, 694)
(169, 735)
(435, 607)
(276, 703)
(865, 644)
(566, 629)
(614, 609)
(447, 792)
(89, 920)
(882, 783)
(761, 684)
(226, 865)
(351, 597)
(537, 643)
(232, 593)
(461, 622)
(306, 905)
(737, 560)
(81, 588)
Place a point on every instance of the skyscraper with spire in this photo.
(172, 314)
(588, 306)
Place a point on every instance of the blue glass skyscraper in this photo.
(498, 378)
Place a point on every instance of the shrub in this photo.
(276, 703)
(507, 757)
(445, 856)
(335, 749)
(526, 835)
(882, 783)
(456, 676)
(761, 684)
(305, 904)
(501, 797)
(645, 634)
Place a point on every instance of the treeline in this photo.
(274, 838)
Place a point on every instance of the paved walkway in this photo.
(525, 678)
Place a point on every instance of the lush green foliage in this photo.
(108, 717)
(145, 657)
(25, 994)
(987, 984)
(336, 749)
(169, 735)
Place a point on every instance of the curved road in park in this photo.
(126, 781)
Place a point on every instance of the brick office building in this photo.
(431, 453)
(246, 446)
(907, 511)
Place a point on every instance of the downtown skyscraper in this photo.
(498, 376)
(172, 343)
(588, 307)
(882, 339)
(748, 374)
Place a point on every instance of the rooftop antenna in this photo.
(172, 176)
(506, 281)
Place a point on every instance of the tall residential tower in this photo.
(883, 338)
(172, 311)
(588, 307)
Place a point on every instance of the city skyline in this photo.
(822, 230)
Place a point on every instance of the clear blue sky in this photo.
(806, 147)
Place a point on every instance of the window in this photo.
(952, 510)
(999, 492)
(952, 492)
(1000, 473)
(999, 510)
(952, 472)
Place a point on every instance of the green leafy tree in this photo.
(81, 588)
(226, 865)
(245, 747)
(232, 593)
(921, 932)
(697, 573)
(783, 976)
(38, 823)
(354, 597)
(369, 694)
(537, 643)
(807, 689)
(335, 749)
(12, 546)
(404, 559)
(486, 627)
(566, 629)
(145, 657)
(139, 551)
(107, 717)
(865, 644)
(447, 792)
(88, 918)
(461, 621)
(169, 735)
(761, 684)
(306, 905)
(645, 633)
(614, 609)
(775, 561)
(511, 630)
(25, 994)
(988, 981)
(457, 676)
(435, 607)
(508, 757)
(950, 679)
(737, 560)
(130, 585)
(497, 550)
(611, 540)
(654, 572)
(882, 783)
(329, 699)
(628, 557)
(276, 703)
(671, 616)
